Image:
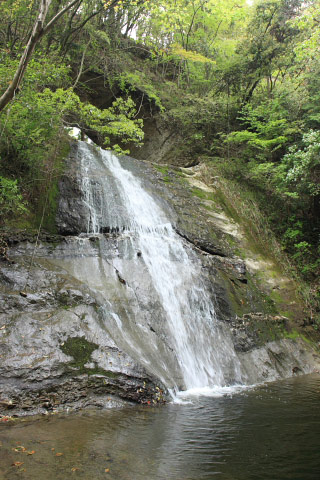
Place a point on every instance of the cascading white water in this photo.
(203, 346)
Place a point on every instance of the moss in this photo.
(80, 349)
(281, 303)
(198, 192)
(49, 222)
(170, 174)
(22, 223)
(265, 330)
(244, 216)
(162, 168)
(49, 197)
(234, 293)
(294, 335)
(276, 296)
(249, 299)
(211, 206)
(46, 197)
(221, 200)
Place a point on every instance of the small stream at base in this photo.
(270, 432)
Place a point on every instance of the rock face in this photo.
(55, 352)
(81, 324)
(72, 214)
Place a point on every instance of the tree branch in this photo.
(38, 32)
(59, 14)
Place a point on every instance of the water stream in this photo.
(118, 202)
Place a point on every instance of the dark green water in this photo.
(271, 432)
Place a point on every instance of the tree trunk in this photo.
(37, 33)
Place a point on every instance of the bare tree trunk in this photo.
(38, 31)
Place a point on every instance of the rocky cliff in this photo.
(67, 298)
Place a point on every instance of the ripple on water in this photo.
(268, 433)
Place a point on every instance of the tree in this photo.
(40, 28)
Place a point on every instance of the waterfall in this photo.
(117, 201)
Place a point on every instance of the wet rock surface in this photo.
(165, 183)
(54, 352)
(72, 213)
(62, 314)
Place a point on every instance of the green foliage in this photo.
(33, 123)
(117, 121)
(132, 81)
(32, 129)
(11, 200)
(201, 119)
(300, 168)
(191, 56)
(268, 128)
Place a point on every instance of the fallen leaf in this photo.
(17, 464)
(31, 453)
(107, 470)
(3, 326)
(74, 469)
(52, 449)
(59, 454)
(19, 448)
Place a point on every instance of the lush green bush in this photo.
(299, 172)
(11, 200)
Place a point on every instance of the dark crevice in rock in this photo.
(201, 244)
(14, 237)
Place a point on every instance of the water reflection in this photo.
(271, 432)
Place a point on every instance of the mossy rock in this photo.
(80, 349)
